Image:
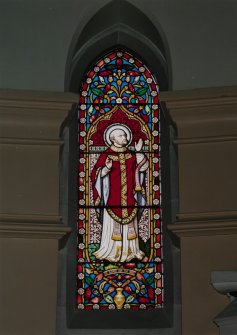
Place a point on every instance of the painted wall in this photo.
(36, 35)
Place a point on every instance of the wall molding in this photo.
(204, 224)
(30, 125)
(30, 141)
(202, 115)
(212, 139)
(29, 218)
(207, 216)
(33, 230)
(204, 228)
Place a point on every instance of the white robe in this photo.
(112, 250)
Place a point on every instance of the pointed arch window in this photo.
(119, 226)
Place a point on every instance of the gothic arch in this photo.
(122, 25)
(118, 24)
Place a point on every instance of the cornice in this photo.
(35, 104)
(204, 96)
(34, 231)
(200, 115)
(34, 227)
(28, 117)
(29, 218)
(211, 139)
(204, 115)
(204, 224)
(203, 228)
(30, 141)
(190, 102)
(35, 98)
(206, 216)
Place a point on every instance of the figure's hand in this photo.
(138, 145)
(108, 163)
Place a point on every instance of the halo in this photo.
(114, 126)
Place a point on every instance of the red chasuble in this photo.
(121, 201)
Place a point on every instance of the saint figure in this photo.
(117, 181)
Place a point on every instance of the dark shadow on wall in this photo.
(118, 23)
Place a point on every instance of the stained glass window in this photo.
(120, 264)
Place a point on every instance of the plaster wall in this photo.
(35, 37)
(206, 225)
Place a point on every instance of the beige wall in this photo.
(30, 222)
(206, 123)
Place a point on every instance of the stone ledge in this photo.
(29, 218)
(206, 140)
(27, 115)
(207, 216)
(204, 113)
(210, 95)
(20, 96)
(33, 230)
(204, 224)
(30, 141)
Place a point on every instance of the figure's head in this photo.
(118, 137)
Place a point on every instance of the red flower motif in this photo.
(129, 265)
(107, 88)
(131, 88)
(150, 292)
(88, 292)
(105, 73)
(143, 300)
(133, 73)
(119, 63)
